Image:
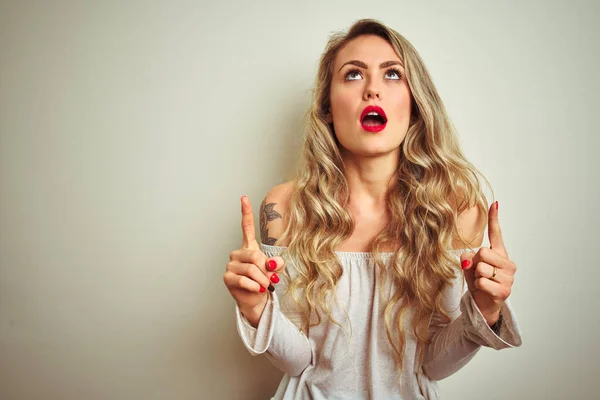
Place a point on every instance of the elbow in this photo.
(435, 374)
(299, 366)
(294, 366)
(440, 368)
(296, 370)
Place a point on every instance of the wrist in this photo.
(493, 318)
(253, 314)
(497, 325)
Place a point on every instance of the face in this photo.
(368, 72)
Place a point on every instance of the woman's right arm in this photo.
(262, 326)
(277, 337)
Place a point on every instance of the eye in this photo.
(352, 75)
(394, 72)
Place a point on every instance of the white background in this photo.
(129, 131)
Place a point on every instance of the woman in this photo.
(360, 252)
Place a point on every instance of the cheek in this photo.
(403, 104)
(342, 104)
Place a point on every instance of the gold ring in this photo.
(494, 274)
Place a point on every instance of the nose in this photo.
(372, 92)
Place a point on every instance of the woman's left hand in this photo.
(489, 294)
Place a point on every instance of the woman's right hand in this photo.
(250, 272)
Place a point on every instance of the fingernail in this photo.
(274, 278)
(272, 265)
(465, 264)
(271, 288)
(262, 289)
(496, 204)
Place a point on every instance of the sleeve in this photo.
(277, 337)
(452, 345)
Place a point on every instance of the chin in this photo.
(369, 144)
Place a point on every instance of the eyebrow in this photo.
(361, 64)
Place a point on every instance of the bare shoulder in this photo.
(471, 225)
(274, 212)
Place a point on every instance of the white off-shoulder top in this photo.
(329, 363)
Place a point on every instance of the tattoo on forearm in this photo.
(267, 214)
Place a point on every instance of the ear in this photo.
(329, 117)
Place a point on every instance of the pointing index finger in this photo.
(248, 232)
(494, 232)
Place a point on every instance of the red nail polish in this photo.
(272, 265)
(496, 205)
(465, 264)
(274, 278)
(262, 289)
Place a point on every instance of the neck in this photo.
(370, 178)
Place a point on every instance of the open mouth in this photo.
(373, 119)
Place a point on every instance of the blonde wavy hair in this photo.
(434, 183)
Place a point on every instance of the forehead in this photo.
(370, 49)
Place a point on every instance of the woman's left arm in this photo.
(475, 321)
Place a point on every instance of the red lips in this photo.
(373, 128)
